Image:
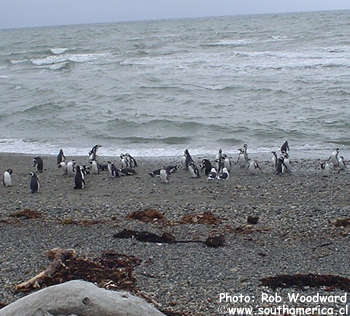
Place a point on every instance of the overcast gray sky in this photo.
(22, 13)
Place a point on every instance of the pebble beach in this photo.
(295, 232)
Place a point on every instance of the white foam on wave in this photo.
(18, 61)
(58, 51)
(77, 58)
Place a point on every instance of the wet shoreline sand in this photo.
(294, 233)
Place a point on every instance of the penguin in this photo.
(93, 152)
(71, 168)
(114, 171)
(94, 167)
(131, 161)
(84, 171)
(7, 178)
(227, 162)
(279, 165)
(219, 161)
(34, 183)
(38, 163)
(341, 163)
(124, 161)
(253, 167)
(212, 174)
(79, 179)
(188, 159)
(274, 159)
(164, 175)
(325, 168)
(60, 158)
(286, 164)
(224, 175)
(334, 158)
(193, 170)
(206, 166)
(285, 147)
(242, 157)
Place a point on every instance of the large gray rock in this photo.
(79, 298)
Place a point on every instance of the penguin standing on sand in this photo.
(60, 158)
(286, 164)
(274, 159)
(188, 159)
(227, 162)
(94, 167)
(193, 170)
(207, 166)
(132, 163)
(164, 175)
(34, 183)
(280, 164)
(38, 163)
(334, 158)
(243, 159)
(93, 152)
(71, 168)
(79, 179)
(219, 161)
(7, 178)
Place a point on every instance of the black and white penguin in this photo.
(94, 167)
(279, 167)
(132, 163)
(219, 161)
(38, 163)
(187, 159)
(224, 175)
(34, 183)
(274, 159)
(243, 159)
(341, 162)
(124, 161)
(286, 168)
(206, 166)
(253, 167)
(79, 179)
(164, 175)
(193, 170)
(227, 162)
(7, 178)
(334, 158)
(285, 147)
(212, 174)
(114, 171)
(93, 152)
(71, 168)
(60, 158)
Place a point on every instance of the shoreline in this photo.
(294, 233)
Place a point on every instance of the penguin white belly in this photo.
(163, 176)
(7, 179)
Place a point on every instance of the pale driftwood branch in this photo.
(80, 298)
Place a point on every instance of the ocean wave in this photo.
(58, 51)
(76, 58)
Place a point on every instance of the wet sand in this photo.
(294, 233)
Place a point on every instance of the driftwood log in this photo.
(79, 298)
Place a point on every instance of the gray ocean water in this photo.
(154, 88)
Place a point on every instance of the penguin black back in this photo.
(34, 183)
(39, 164)
(78, 179)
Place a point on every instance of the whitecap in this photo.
(58, 51)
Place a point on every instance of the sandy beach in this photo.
(295, 232)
